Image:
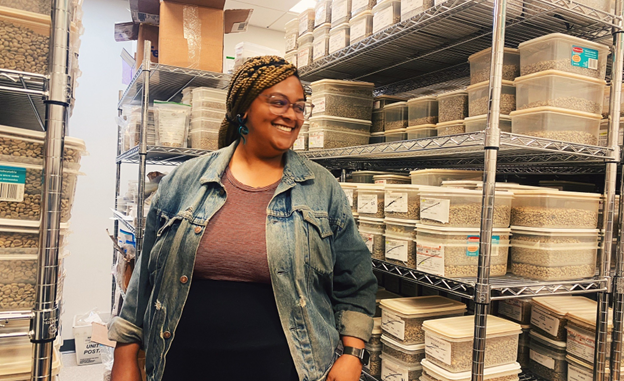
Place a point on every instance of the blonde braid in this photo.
(251, 79)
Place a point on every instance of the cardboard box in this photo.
(147, 33)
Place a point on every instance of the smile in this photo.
(281, 127)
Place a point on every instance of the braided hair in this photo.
(255, 76)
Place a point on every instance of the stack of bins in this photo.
(581, 335)
(422, 116)
(321, 41)
(292, 33)
(395, 121)
(554, 234)
(552, 68)
(342, 113)
(452, 110)
(403, 338)
(402, 212)
(339, 37)
(207, 113)
(361, 27)
(322, 13)
(305, 49)
(519, 311)
(378, 117)
(301, 144)
(341, 12)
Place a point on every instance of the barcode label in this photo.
(12, 183)
(592, 64)
(11, 192)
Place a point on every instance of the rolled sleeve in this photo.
(122, 331)
(355, 324)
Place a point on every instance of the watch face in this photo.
(365, 357)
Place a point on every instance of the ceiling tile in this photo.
(263, 17)
(281, 22)
(278, 5)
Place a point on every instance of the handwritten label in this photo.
(367, 203)
(319, 104)
(435, 209)
(349, 194)
(303, 23)
(316, 139)
(320, 16)
(539, 358)
(438, 349)
(393, 324)
(303, 57)
(358, 30)
(357, 6)
(393, 371)
(339, 13)
(299, 144)
(397, 249)
(409, 7)
(430, 258)
(383, 19)
(338, 41)
(369, 240)
(319, 49)
(545, 322)
(291, 42)
(395, 202)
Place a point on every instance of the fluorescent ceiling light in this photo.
(303, 5)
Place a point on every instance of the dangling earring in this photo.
(242, 128)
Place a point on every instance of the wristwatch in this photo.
(362, 354)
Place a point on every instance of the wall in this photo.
(262, 36)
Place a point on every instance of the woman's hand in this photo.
(126, 365)
(346, 368)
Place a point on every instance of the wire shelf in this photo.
(21, 97)
(158, 155)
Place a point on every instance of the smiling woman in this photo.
(253, 268)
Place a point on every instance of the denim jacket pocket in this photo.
(320, 236)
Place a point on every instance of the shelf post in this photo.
(45, 317)
(117, 190)
(492, 143)
(139, 227)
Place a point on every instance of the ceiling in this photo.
(271, 14)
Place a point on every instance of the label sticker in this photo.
(438, 349)
(303, 24)
(391, 371)
(339, 12)
(395, 202)
(291, 42)
(319, 104)
(358, 30)
(581, 345)
(383, 19)
(369, 240)
(393, 324)
(320, 16)
(539, 358)
(367, 203)
(337, 41)
(396, 249)
(349, 194)
(12, 183)
(510, 308)
(579, 374)
(318, 49)
(408, 6)
(430, 259)
(584, 57)
(303, 58)
(435, 209)
(543, 321)
(472, 248)
(316, 139)
(358, 5)
(299, 144)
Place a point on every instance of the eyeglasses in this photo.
(279, 105)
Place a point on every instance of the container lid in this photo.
(450, 123)
(70, 142)
(348, 185)
(322, 29)
(555, 110)
(487, 83)
(340, 119)
(385, 294)
(423, 306)
(377, 326)
(555, 232)
(370, 173)
(372, 220)
(567, 38)
(556, 193)
(344, 25)
(366, 13)
(493, 372)
(445, 191)
(422, 99)
(483, 117)
(578, 362)
(313, 130)
(453, 93)
(440, 171)
(462, 327)
(377, 134)
(396, 105)
(587, 318)
(561, 305)
(342, 83)
(391, 177)
(409, 348)
(547, 73)
(560, 345)
(292, 24)
(421, 127)
(402, 222)
(395, 131)
(457, 231)
(407, 187)
(467, 184)
(306, 36)
(307, 45)
(488, 51)
(370, 187)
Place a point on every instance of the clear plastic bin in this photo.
(361, 26)
(555, 210)
(478, 123)
(557, 124)
(454, 207)
(304, 55)
(206, 124)
(582, 371)
(382, 101)
(17, 359)
(209, 97)
(339, 37)
(391, 368)
(367, 177)
(291, 57)
(301, 144)
(561, 254)
(307, 38)
(292, 32)
(560, 89)
(548, 358)
(306, 21)
(320, 48)
(517, 310)
(372, 231)
(359, 6)
(604, 130)
(386, 14)
(454, 252)
(422, 131)
(402, 202)
(395, 116)
(410, 354)
(370, 200)
(400, 247)
(402, 319)
(374, 362)
(33, 45)
(435, 177)
(377, 137)
(452, 106)
(480, 65)
(204, 139)
(36, 6)
(18, 268)
(343, 99)
(479, 98)
(322, 13)
(411, 8)
(205, 112)
(549, 314)
(422, 111)
(326, 138)
(391, 179)
(340, 124)
(375, 340)
(19, 240)
(381, 295)
(350, 190)
(432, 372)
(341, 12)
(349, 88)
(395, 135)
(448, 342)
(453, 127)
(558, 51)
(378, 121)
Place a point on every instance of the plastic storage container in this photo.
(322, 13)
(301, 144)
(306, 21)
(422, 131)
(344, 99)
(455, 207)
(558, 51)
(402, 202)
(350, 190)
(604, 129)
(377, 137)
(452, 106)
(382, 101)
(478, 123)
(581, 334)
(359, 6)
(372, 231)
(374, 362)
(453, 127)
(411, 8)
(206, 124)
(432, 372)
(17, 361)
(341, 12)
(555, 210)
(400, 248)
(561, 254)
(391, 369)
(581, 371)
(206, 139)
(448, 342)
(435, 177)
(33, 44)
(291, 57)
(410, 354)
(339, 124)
(206, 112)
(367, 176)
(557, 124)
(360, 27)
(548, 314)
(377, 121)
(480, 65)
(375, 340)
(395, 116)
(479, 98)
(391, 179)
(339, 37)
(560, 89)
(517, 310)
(36, 6)
(547, 358)
(326, 139)
(321, 41)
(402, 319)
(422, 111)
(395, 135)
(370, 201)
(208, 97)
(305, 54)
(292, 32)
(386, 14)
(454, 252)
(381, 295)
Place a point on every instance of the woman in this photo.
(253, 268)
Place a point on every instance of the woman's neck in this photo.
(254, 170)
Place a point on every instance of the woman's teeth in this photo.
(283, 128)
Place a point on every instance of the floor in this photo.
(72, 372)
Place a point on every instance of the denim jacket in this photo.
(320, 268)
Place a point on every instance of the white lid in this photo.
(462, 327)
(70, 142)
(342, 83)
(559, 73)
(453, 93)
(395, 105)
(291, 24)
(437, 171)
(372, 220)
(321, 30)
(340, 119)
(423, 306)
(488, 51)
(406, 366)
(457, 231)
(305, 46)
(406, 187)
(422, 99)
(552, 343)
(479, 118)
(446, 191)
(587, 318)
(396, 131)
(348, 185)
(370, 173)
(561, 305)
(370, 187)
(313, 130)
(377, 134)
(385, 294)
(377, 326)
(400, 221)
(556, 110)
(493, 372)
(487, 83)
(391, 177)
(549, 192)
(554, 232)
(8, 224)
(409, 348)
(578, 362)
(570, 39)
(366, 13)
(461, 183)
(450, 123)
(336, 29)
(421, 127)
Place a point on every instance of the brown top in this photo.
(233, 247)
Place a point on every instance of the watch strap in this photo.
(362, 354)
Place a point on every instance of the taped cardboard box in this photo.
(147, 33)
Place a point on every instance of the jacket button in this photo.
(167, 335)
(183, 279)
(222, 192)
(198, 230)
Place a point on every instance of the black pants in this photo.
(229, 331)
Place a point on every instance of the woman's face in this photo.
(274, 134)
